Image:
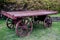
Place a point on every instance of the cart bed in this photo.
(24, 26)
(27, 13)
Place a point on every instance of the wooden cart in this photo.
(23, 20)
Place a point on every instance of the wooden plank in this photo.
(31, 13)
(55, 19)
(27, 13)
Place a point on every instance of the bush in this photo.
(38, 4)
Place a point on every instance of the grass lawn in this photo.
(38, 33)
(56, 15)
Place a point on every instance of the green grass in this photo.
(55, 15)
(38, 33)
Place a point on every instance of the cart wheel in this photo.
(24, 28)
(47, 21)
(9, 23)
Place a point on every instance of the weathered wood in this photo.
(23, 25)
(17, 14)
(55, 19)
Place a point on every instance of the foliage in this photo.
(38, 4)
(1, 1)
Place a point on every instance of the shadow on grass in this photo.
(38, 26)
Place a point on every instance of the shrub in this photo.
(38, 4)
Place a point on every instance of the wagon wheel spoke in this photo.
(28, 23)
(48, 21)
(9, 23)
(25, 29)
